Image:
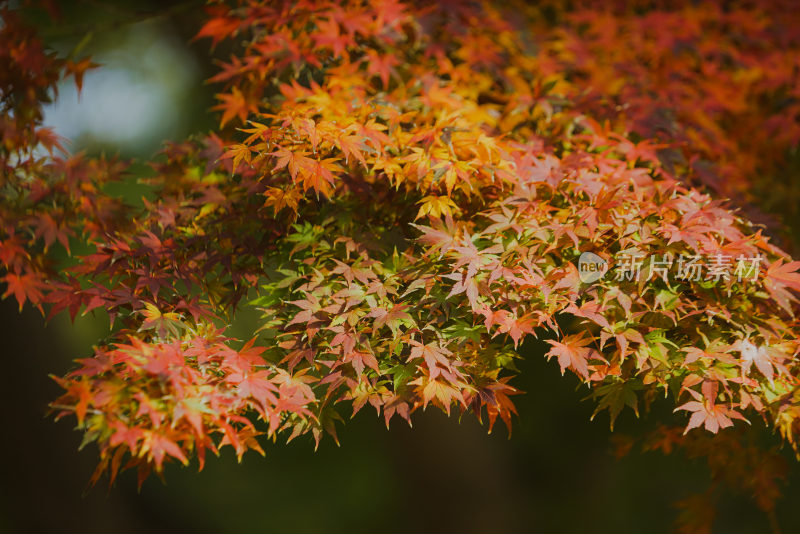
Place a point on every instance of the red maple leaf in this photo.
(24, 287)
(573, 353)
(706, 411)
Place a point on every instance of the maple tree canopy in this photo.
(404, 191)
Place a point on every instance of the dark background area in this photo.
(557, 473)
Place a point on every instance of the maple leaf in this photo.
(258, 132)
(49, 139)
(329, 35)
(81, 394)
(239, 153)
(346, 340)
(779, 279)
(475, 259)
(359, 360)
(573, 353)
(352, 145)
(440, 236)
(219, 28)
(509, 323)
(467, 285)
(590, 310)
(294, 161)
(319, 175)
(158, 446)
(308, 127)
(234, 104)
(499, 402)
(433, 355)
(453, 170)
(161, 322)
(258, 386)
(283, 198)
(78, 68)
(24, 287)
(615, 396)
(436, 206)
(130, 436)
(50, 230)
(444, 393)
(762, 356)
(392, 317)
(381, 65)
(706, 411)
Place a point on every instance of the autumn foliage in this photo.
(403, 191)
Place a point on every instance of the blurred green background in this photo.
(557, 473)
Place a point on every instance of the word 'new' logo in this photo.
(591, 267)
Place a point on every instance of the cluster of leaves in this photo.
(404, 199)
(715, 84)
(48, 197)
